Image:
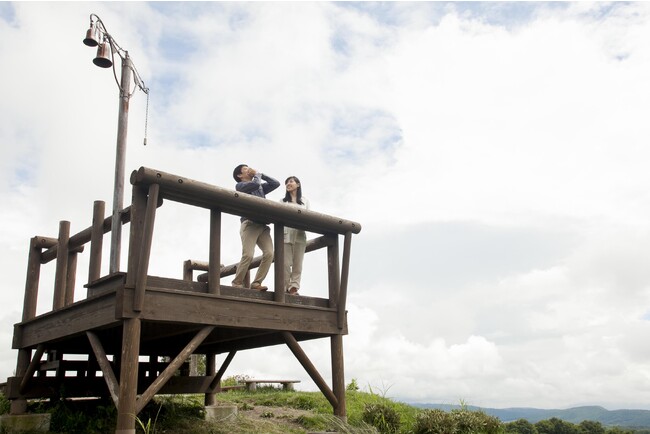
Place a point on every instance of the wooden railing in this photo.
(150, 189)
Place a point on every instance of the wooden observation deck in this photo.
(131, 321)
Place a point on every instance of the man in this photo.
(250, 181)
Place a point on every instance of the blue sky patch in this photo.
(7, 12)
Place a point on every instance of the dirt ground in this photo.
(278, 415)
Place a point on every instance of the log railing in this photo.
(150, 186)
(150, 189)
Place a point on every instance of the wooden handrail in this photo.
(78, 240)
(229, 270)
(191, 192)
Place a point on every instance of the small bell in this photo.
(92, 36)
(103, 58)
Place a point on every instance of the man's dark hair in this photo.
(237, 172)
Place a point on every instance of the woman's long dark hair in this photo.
(287, 195)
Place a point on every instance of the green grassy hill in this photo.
(274, 411)
(623, 418)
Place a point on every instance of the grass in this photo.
(271, 411)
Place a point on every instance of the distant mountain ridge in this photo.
(622, 418)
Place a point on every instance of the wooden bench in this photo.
(251, 385)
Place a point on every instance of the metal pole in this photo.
(120, 156)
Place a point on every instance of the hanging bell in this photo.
(92, 36)
(103, 58)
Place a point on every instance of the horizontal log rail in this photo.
(209, 196)
(229, 270)
(78, 240)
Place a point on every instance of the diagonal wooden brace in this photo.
(160, 381)
(105, 365)
(310, 368)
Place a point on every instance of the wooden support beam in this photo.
(310, 368)
(278, 255)
(33, 276)
(138, 212)
(128, 370)
(214, 261)
(61, 265)
(210, 370)
(96, 241)
(345, 271)
(217, 378)
(19, 406)
(160, 381)
(333, 276)
(33, 365)
(71, 278)
(338, 377)
(145, 247)
(105, 366)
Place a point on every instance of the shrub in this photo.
(383, 417)
(352, 386)
(462, 421)
(234, 380)
(5, 405)
(556, 426)
(520, 426)
(470, 422)
(303, 402)
(434, 421)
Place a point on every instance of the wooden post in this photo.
(338, 377)
(278, 256)
(138, 206)
(120, 157)
(96, 242)
(217, 378)
(33, 275)
(19, 406)
(61, 265)
(214, 267)
(343, 288)
(71, 277)
(126, 413)
(31, 368)
(188, 271)
(145, 248)
(333, 271)
(210, 370)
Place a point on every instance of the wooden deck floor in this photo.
(173, 312)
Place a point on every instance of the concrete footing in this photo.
(220, 412)
(20, 423)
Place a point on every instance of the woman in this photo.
(295, 240)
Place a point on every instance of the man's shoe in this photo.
(258, 286)
(237, 285)
(293, 290)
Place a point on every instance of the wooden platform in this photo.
(174, 310)
(132, 335)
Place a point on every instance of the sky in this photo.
(495, 153)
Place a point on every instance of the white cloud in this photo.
(494, 153)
